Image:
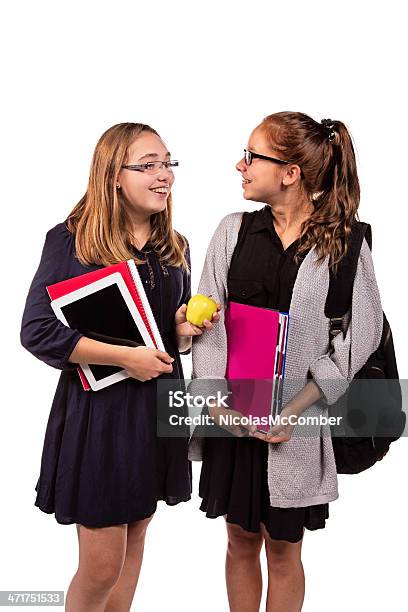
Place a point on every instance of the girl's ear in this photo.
(291, 175)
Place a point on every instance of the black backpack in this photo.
(372, 412)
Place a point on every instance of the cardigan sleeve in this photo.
(210, 349)
(209, 352)
(334, 371)
(42, 334)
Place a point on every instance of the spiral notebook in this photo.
(256, 356)
(110, 305)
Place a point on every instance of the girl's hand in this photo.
(234, 425)
(277, 433)
(145, 363)
(185, 328)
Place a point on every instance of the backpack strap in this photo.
(340, 291)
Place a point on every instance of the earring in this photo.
(117, 186)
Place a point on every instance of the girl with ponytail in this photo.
(270, 487)
(325, 155)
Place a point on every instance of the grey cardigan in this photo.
(302, 471)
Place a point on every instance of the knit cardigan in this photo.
(302, 471)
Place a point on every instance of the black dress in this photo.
(102, 461)
(233, 479)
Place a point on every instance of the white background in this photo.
(203, 75)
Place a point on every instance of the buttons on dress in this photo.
(245, 287)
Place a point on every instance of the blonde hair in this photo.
(100, 222)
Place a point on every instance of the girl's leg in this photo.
(243, 569)
(121, 596)
(286, 579)
(101, 557)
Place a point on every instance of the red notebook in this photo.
(115, 298)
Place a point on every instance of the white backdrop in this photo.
(203, 75)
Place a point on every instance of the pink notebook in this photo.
(257, 339)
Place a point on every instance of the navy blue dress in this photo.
(102, 462)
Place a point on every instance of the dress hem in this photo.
(73, 521)
(291, 540)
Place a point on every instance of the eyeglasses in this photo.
(250, 155)
(152, 167)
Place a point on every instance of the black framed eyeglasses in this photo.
(250, 155)
(152, 167)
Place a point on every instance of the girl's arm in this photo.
(42, 334)
(209, 352)
(185, 342)
(61, 347)
(141, 362)
(332, 373)
(185, 330)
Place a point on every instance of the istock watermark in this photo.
(217, 407)
(178, 399)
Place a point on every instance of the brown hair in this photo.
(324, 151)
(100, 221)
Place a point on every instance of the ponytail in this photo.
(325, 153)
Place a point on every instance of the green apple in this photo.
(200, 307)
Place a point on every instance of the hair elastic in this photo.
(329, 125)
